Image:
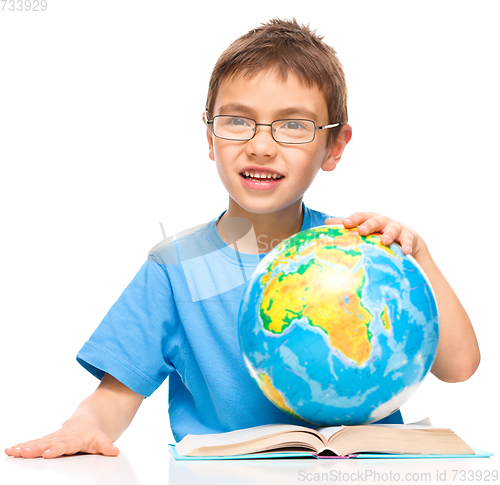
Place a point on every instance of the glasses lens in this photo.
(293, 131)
(233, 127)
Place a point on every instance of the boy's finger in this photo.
(13, 451)
(333, 221)
(391, 233)
(101, 444)
(30, 449)
(62, 447)
(55, 451)
(407, 244)
(374, 224)
(33, 452)
(358, 218)
(108, 449)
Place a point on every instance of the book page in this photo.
(423, 424)
(192, 442)
(414, 438)
(329, 431)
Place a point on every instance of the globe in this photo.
(336, 328)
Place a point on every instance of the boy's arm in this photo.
(458, 352)
(98, 421)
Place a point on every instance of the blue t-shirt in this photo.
(178, 318)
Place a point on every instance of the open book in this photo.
(418, 438)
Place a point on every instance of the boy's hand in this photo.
(78, 434)
(99, 420)
(370, 222)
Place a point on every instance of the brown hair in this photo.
(285, 46)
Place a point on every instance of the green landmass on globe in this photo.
(337, 328)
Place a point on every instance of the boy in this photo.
(276, 113)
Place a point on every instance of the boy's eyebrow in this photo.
(235, 107)
(297, 111)
(282, 113)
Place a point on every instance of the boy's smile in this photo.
(261, 175)
(261, 178)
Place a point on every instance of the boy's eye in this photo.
(237, 121)
(292, 125)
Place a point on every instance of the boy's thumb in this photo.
(107, 448)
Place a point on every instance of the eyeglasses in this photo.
(290, 131)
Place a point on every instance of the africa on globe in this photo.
(336, 328)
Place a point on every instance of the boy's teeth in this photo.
(257, 175)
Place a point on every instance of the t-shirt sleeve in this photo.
(138, 340)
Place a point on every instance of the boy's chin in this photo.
(266, 207)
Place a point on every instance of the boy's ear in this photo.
(209, 137)
(337, 148)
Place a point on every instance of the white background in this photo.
(101, 138)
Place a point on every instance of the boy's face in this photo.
(265, 98)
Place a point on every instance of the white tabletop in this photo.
(137, 466)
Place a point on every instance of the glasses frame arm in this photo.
(324, 127)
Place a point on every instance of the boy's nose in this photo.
(262, 144)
